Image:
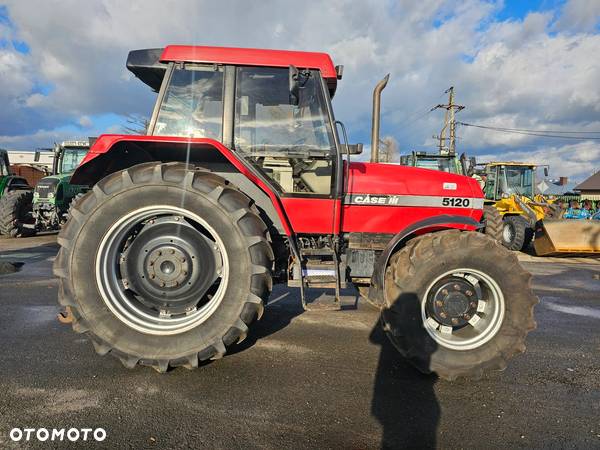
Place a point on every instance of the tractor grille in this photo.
(44, 187)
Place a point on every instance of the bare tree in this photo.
(388, 151)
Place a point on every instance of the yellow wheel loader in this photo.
(510, 188)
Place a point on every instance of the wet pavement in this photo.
(302, 379)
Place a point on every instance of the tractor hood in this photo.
(384, 184)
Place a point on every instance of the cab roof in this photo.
(149, 65)
(511, 163)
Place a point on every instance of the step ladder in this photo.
(319, 269)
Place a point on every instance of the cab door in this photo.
(291, 142)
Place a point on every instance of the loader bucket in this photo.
(563, 237)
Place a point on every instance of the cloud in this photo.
(580, 15)
(537, 72)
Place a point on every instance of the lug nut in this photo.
(467, 317)
(444, 291)
(456, 287)
(454, 321)
(153, 276)
(443, 315)
(439, 303)
(182, 260)
(473, 305)
(469, 293)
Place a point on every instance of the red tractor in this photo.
(243, 180)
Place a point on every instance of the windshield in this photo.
(441, 164)
(71, 158)
(516, 180)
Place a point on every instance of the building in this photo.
(556, 187)
(590, 188)
(28, 157)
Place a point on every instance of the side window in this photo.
(291, 143)
(490, 185)
(193, 104)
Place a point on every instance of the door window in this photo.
(291, 143)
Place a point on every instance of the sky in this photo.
(513, 64)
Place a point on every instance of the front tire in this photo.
(15, 212)
(457, 304)
(516, 234)
(164, 266)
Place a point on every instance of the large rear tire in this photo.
(457, 304)
(163, 265)
(15, 212)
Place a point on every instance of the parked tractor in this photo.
(245, 179)
(493, 225)
(24, 213)
(11, 186)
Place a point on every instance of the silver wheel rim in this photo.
(124, 306)
(508, 233)
(481, 327)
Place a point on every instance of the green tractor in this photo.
(435, 161)
(24, 213)
(462, 165)
(11, 186)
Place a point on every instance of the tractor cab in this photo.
(434, 161)
(281, 125)
(504, 179)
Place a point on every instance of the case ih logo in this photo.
(414, 200)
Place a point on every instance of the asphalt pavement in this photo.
(326, 379)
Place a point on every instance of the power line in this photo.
(538, 133)
(407, 120)
(535, 131)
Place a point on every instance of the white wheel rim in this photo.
(490, 313)
(124, 309)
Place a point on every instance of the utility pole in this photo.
(447, 143)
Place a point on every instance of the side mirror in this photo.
(355, 149)
(36, 156)
(545, 171)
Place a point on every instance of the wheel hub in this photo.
(454, 302)
(169, 265)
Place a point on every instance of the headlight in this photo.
(51, 195)
(36, 194)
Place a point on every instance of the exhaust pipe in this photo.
(376, 118)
